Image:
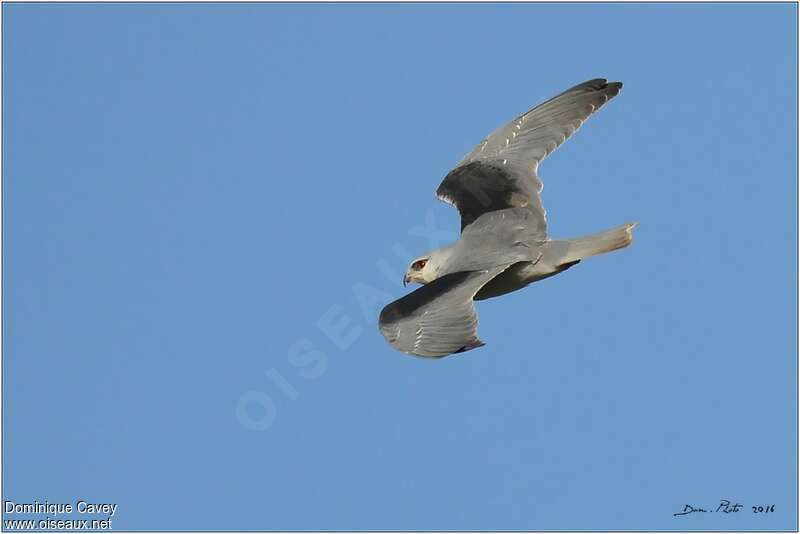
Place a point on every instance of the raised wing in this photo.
(439, 318)
(501, 172)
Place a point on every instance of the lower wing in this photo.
(439, 318)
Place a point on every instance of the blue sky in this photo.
(206, 206)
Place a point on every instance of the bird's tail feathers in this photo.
(599, 243)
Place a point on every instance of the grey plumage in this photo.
(503, 245)
(438, 318)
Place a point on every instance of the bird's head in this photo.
(426, 268)
(420, 271)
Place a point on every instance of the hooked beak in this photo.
(405, 280)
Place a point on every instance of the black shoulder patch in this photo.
(480, 187)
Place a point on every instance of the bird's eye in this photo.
(419, 265)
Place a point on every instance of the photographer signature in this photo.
(725, 506)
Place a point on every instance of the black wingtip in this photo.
(601, 85)
(596, 84)
(476, 345)
(613, 88)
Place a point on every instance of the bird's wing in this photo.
(438, 318)
(501, 237)
(501, 172)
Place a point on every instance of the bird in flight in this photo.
(503, 245)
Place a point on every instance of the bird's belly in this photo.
(518, 276)
(515, 277)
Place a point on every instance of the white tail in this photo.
(599, 243)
